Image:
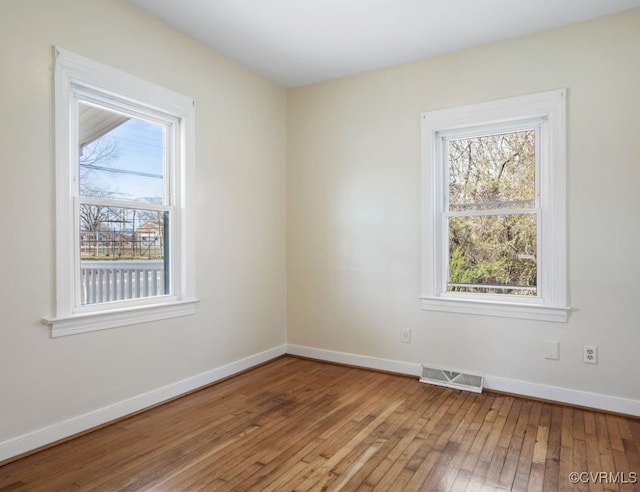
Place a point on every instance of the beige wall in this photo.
(240, 215)
(351, 185)
(353, 209)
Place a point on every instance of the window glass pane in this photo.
(494, 171)
(120, 157)
(493, 254)
(123, 253)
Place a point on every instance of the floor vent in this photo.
(452, 379)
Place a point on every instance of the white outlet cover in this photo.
(590, 354)
(551, 349)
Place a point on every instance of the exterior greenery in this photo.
(492, 219)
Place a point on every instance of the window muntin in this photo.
(490, 216)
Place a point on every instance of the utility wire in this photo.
(120, 171)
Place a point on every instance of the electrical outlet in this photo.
(405, 335)
(590, 354)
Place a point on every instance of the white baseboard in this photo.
(533, 390)
(356, 360)
(61, 430)
(564, 395)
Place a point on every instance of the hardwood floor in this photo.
(297, 424)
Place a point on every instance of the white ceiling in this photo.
(298, 42)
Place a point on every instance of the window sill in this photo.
(102, 320)
(537, 312)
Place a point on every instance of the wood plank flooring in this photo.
(296, 424)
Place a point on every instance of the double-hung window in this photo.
(124, 171)
(494, 208)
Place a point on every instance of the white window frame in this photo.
(79, 78)
(546, 112)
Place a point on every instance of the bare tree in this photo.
(489, 175)
(93, 218)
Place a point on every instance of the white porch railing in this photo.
(104, 281)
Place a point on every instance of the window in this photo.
(124, 248)
(494, 208)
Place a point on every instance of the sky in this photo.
(133, 168)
